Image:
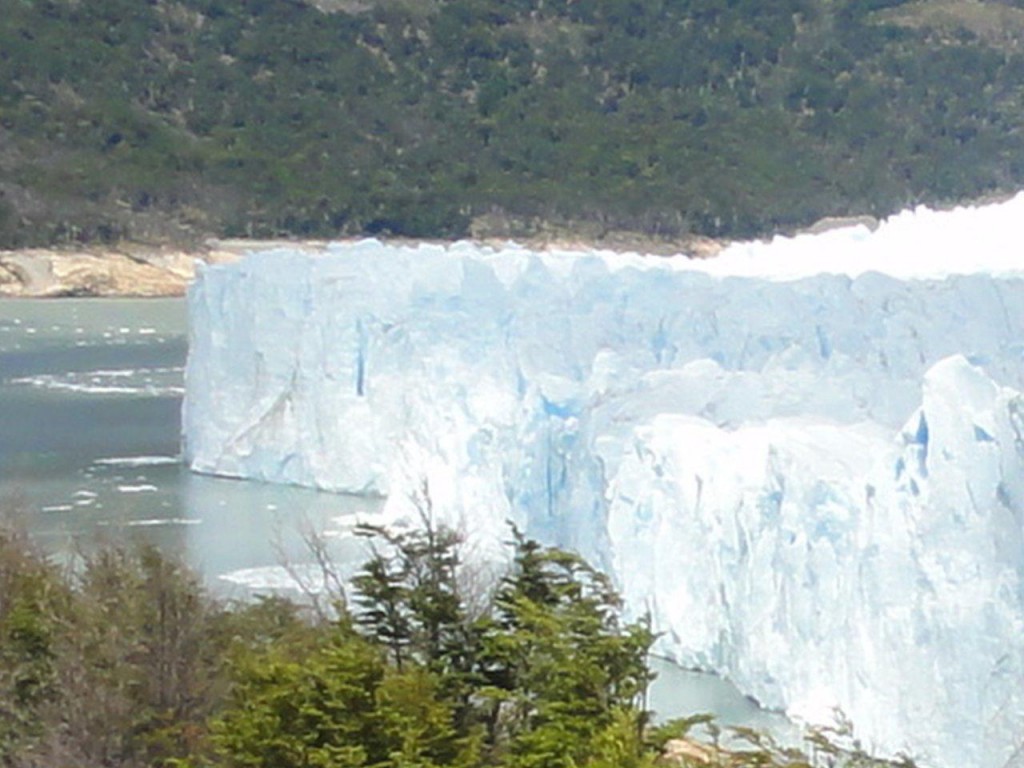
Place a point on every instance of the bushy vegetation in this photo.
(181, 118)
(125, 661)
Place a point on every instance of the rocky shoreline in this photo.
(41, 273)
(133, 270)
(123, 271)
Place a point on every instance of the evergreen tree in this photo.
(562, 669)
(336, 705)
(408, 595)
(409, 601)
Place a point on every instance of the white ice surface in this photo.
(805, 458)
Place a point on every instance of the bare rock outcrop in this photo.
(131, 270)
(44, 273)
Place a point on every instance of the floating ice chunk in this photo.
(160, 521)
(137, 461)
(306, 578)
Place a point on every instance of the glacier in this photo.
(803, 458)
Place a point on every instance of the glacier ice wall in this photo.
(810, 474)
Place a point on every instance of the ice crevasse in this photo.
(805, 458)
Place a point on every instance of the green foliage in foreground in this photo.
(125, 661)
(437, 118)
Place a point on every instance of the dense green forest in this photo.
(125, 661)
(179, 119)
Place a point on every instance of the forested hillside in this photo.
(179, 119)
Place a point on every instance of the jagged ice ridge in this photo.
(811, 474)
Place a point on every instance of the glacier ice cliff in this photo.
(805, 458)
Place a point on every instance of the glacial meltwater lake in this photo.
(90, 400)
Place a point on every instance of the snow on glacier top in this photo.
(919, 243)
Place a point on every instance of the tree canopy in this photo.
(125, 661)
